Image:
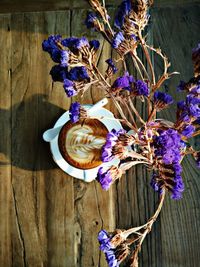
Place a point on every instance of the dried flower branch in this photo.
(160, 145)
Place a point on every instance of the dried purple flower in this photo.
(51, 43)
(58, 73)
(69, 88)
(111, 139)
(161, 100)
(188, 130)
(91, 20)
(140, 88)
(95, 44)
(123, 82)
(75, 44)
(111, 259)
(117, 40)
(111, 65)
(106, 178)
(78, 74)
(74, 112)
(123, 11)
(168, 145)
(64, 58)
(104, 241)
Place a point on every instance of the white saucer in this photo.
(86, 175)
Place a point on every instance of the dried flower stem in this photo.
(136, 59)
(146, 53)
(147, 227)
(135, 111)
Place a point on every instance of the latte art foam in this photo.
(81, 144)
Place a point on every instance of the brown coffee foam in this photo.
(81, 143)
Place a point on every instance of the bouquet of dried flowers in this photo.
(159, 144)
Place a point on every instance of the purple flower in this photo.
(124, 82)
(140, 88)
(107, 247)
(111, 140)
(111, 259)
(188, 130)
(117, 40)
(51, 47)
(111, 65)
(123, 10)
(69, 88)
(51, 43)
(58, 73)
(104, 178)
(64, 58)
(104, 241)
(95, 44)
(178, 187)
(168, 145)
(75, 44)
(74, 112)
(181, 86)
(90, 20)
(162, 100)
(78, 74)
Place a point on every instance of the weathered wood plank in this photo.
(8, 6)
(43, 193)
(94, 208)
(5, 143)
(177, 35)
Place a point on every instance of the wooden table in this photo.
(47, 218)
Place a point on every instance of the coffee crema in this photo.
(81, 143)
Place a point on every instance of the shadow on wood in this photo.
(29, 151)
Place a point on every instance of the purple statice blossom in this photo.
(95, 44)
(140, 88)
(104, 241)
(124, 82)
(64, 58)
(188, 130)
(167, 148)
(162, 100)
(58, 73)
(111, 65)
(111, 140)
(168, 145)
(90, 20)
(78, 74)
(111, 259)
(51, 43)
(117, 40)
(107, 247)
(75, 44)
(123, 11)
(74, 112)
(104, 178)
(50, 46)
(69, 88)
(181, 86)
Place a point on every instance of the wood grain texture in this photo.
(177, 35)
(47, 217)
(8, 6)
(5, 144)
